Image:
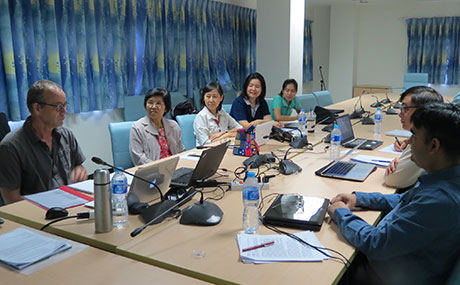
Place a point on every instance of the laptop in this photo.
(206, 167)
(348, 137)
(296, 211)
(347, 170)
(160, 173)
(262, 132)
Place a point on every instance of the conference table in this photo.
(88, 265)
(211, 253)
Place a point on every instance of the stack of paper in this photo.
(87, 186)
(21, 248)
(283, 248)
(398, 133)
(377, 160)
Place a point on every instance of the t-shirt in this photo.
(281, 103)
(241, 110)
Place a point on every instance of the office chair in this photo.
(186, 125)
(119, 136)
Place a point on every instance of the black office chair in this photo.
(4, 129)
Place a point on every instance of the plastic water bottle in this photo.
(302, 121)
(251, 203)
(119, 203)
(336, 139)
(378, 122)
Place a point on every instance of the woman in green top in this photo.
(283, 103)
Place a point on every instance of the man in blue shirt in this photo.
(417, 242)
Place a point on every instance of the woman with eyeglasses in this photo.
(213, 123)
(403, 172)
(153, 137)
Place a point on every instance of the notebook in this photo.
(262, 132)
(206, 167)
(296, 211)
(348, 137)
(348, 170)
(159, 172)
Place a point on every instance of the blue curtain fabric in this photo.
(307, 53)
(102, 50)
(434, 48)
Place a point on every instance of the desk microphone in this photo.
(358, 112)
(386, 100)
(377, 103)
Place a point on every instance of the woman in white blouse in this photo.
(213, 123)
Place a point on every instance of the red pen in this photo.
(259, 246)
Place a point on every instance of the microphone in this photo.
(377, 103)
(367, 120)
(98, 160)
(358, 113)
(391, 111)
(386, 100)
(162, 214)
(323, 85)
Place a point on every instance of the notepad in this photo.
(63, 197)
(376, 160)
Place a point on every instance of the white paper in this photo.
(377, 160)
(195, 156)
(284, 248)
(390, 149)
(21, 248)
(398, 133)
(56, 198)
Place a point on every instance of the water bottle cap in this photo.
(118, 170)
(302, 110)
(378, 109)
(251, 174)
(336, 126)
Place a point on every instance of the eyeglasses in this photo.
(59, 107)
(404, 109)
(153, 104)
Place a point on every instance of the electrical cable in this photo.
(84, 215)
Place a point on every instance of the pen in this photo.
(396, 138)
(378, 160)
(259, 246)
(194, 155)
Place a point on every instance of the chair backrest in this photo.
(415, 79)
(456, 99)
(454, 278)
(227, 107)
(323, 98)
(134, 108)
(307, 101)
(186, 125)
(15, 124)
(119, 136)
(269, 100)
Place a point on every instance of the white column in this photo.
(280, 26)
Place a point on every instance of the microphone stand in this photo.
(358, 113)
(377, 103)
(323, 85)
(180, 203)
(386, 100)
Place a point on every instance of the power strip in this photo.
(238, 185)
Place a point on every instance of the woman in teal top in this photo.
(283, 103)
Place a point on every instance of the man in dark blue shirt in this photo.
(417, 242)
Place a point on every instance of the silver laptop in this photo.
(159, 173)
(262, 132)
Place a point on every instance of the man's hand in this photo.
(392, 167)
(78, 174)
(349, 200)
(333, 206)
(400, 146)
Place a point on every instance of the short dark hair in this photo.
(208, 88)
(287, 82)
(159, 92)
(36, 93)
(421, 95)
(250, 77)
(441, 121)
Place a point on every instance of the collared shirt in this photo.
(285, 108)
(28, 164)
(242, 111)
(143, 140)
(406, 172)
(417, 242)
(206, 124)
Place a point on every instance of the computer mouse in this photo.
(56, 212)
(201, 214)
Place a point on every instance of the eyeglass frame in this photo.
(59, 107)
(404, 109)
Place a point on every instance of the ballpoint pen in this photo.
(378, 160)
(396, 138)
(259, 246)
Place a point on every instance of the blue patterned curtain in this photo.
(434, 48)
(307, 53)
(102, 50)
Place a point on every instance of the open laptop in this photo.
(206, 167)
(160, 173)
(262, 132)
(348, 137)
(348, 170)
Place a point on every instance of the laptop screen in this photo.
(345, 128)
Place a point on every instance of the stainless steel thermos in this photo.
(102, 201)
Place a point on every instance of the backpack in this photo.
(183, 108)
